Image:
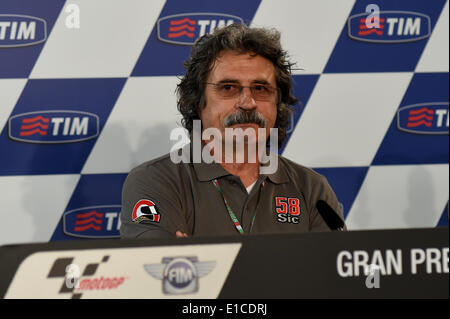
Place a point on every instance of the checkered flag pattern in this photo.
(87, 93)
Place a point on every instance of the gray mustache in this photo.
(246, 117)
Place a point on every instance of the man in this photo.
(236, 78)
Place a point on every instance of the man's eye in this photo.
(260, 88)
(228, 87)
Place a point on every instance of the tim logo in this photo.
(388, 26)
(93, 222)
(21, 30)
(180, 275)
(50, 127)
(185, 28)
(424, 118)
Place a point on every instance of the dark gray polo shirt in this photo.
(160, 197)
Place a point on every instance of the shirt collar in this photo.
(280, 176)
(207, 172)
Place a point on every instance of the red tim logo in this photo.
(287, 209)
(92, 219)
(52, 127)
(423, 116)
(185, 28)
(182, 27)
(371, 25)
(34, 125)
(388, 26)
(93, 222)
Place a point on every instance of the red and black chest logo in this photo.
(145, 210)
(287, 209)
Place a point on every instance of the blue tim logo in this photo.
(93, 222)
(185, 28)
(389, 26)
(424, 118)
(180, 275)
(51, 127)
(18, 30)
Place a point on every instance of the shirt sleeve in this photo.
(323, 192)
(151, 205)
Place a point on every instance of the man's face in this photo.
(246, 70)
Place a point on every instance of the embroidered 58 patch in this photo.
(145, 210)
(287, 209)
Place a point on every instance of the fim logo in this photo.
(75, 284)
(51, 127)
(93, 222)
(180, 275)
(388, 26)
(424, 118)
(185, 28)
(18, 30)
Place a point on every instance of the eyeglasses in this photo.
(260, 92)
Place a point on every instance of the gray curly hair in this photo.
(242, 39)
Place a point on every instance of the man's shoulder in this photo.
(150, 165)
(297, 171)
(160, 168)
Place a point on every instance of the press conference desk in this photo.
(411, 263)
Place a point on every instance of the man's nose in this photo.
(246, 100)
